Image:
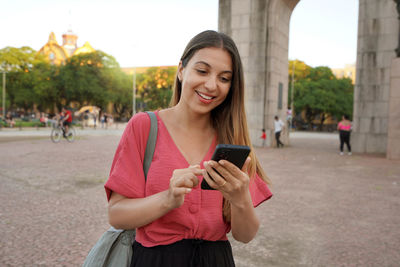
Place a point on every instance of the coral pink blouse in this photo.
(343, 127)
(200, 216)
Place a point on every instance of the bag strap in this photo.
(151, 143)
(148, 157)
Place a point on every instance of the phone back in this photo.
(232, 153)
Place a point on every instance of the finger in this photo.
(246, 165)
(223, 171)
(233, 168)
(209, 180)
(195, 178)
(196, 169)
(236, 173)
(188, 180)
(214, 175)
(180, 191)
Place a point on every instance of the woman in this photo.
(344, 128)
(178, 223)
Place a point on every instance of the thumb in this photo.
(246, 165)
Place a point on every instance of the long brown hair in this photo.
(229, 118)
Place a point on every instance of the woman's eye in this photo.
(225, 80)
(201, 71)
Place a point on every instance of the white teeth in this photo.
(205, 97)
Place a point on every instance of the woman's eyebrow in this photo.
(208, 65)
(203, 62)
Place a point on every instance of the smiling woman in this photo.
(206, 78)
(170, 210)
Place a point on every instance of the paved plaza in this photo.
(327, 209)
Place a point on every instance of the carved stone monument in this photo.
(378, 29)
(261, 30)
(393, 146)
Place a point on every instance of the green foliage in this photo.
(18, 59)
(87, 79)
(46, 86)
(121, 93)
(155, 87)
(319, 94)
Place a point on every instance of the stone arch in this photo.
(261, 30)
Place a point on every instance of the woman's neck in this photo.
(188, 119)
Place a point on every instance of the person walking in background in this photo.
(263, 137)
(10, 120)
(66, 119)
(344, 128)
(278, 126)
(94, 120)
(178, 223)
(289, 118)
(106, 120)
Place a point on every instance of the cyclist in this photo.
(66, 120)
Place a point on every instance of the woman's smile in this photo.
(205, 98)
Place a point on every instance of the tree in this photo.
(301, 70)
(46, 86)
(121, 93)
(84, 79)
(18, 63)
(87, 79)
(19, 59)
(19, 90)
(320, 94)
(155, 86)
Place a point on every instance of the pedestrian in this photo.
(344, 128)
(178, 223)
(94, 120)
(106, 120)
(263, 137)
(289, 118)
(102, 120)
(278, 126)
(10, 120)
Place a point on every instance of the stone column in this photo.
(393, 144)
(377, 39)
(260, 29)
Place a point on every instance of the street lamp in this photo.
(134, 93)
(292, 97)
(4, 95)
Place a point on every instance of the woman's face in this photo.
(206, 79)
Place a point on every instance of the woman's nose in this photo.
(211, 83)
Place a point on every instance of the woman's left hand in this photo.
(231, 181)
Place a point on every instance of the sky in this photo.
(155, 32)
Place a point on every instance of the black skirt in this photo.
(184, 253)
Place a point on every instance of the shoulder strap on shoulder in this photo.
(151, 143)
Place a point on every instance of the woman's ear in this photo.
(180, 70)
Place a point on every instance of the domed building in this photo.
(57, 54)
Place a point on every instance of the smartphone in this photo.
(233, 153)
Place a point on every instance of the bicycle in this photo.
(59, 130)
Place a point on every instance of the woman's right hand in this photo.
(181, 183)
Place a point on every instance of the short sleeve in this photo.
(126, 175)
(259, 191)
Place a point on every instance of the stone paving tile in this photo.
(327, 209)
